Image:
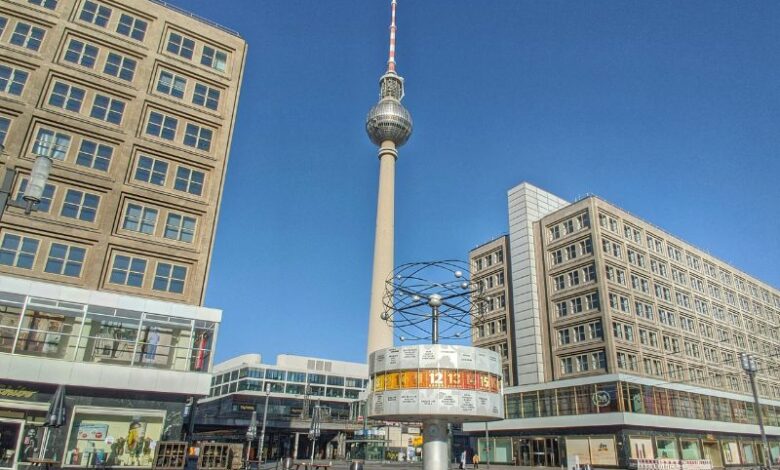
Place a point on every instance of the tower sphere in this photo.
(389, 120)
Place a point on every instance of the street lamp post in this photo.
(750, 367)
(251, 433)
(314, 429)
(35, 186)
(260, 445)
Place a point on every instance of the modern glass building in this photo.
(295, 385)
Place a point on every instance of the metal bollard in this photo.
(356, 465)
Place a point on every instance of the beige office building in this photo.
(628, 342)
(490, 270)
(102, 288)
(135, 103)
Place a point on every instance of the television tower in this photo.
(389, 126)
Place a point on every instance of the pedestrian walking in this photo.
(475, 460)
(463, 460)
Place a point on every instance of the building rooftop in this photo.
(196, 17)
(296, 363)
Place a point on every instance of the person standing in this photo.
(463, 460)
(475, 460)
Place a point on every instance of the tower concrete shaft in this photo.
(380, 333)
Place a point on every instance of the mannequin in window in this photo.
(152, 340)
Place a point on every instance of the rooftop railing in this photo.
(196, 17)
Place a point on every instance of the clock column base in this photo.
(435, 445)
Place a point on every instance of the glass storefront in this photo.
(102, 437)
(498, 451)
(34, 326)
(627, 397)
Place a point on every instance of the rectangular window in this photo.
(140, 219)
(80, 205)
(18, 251)
(51, 144)
(151, 171)
(120, 66)
(128, 271)
(189, 180)
(45, 203)
(180, 45)
(66, 260)
(5, 124)
(47, 4)
(94, 155)
(81, 53)
(214, 58)
(132, 27)
(108, 109)
(95, 14)
(592, 301)
(171, 84)
(563, 337)
(27, 36)
(169, 278)
(559, 282)
(12, 80)
(205, 96)
(161, 126)
(180, 228)
(198, 137)
(596, 331)
(67, 97)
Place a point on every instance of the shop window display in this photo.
(101, 438)
(641, 448)
(748, 453)
(50, 331)
(666, 448)
(731, 453)
(9, 322)
(109, 336)
(690, 449)
(90, 333)
(9, 442)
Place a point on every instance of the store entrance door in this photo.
(538, 452)
(524, 452)
(712, 453)
(551, 445)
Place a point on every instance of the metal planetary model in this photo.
(389, 126)
(432, 382)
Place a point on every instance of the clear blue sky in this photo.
(668, 109)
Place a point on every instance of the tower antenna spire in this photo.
(391, 56)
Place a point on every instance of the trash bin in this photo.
(356, 465)
(287, 464)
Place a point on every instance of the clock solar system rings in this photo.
(431, 301)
